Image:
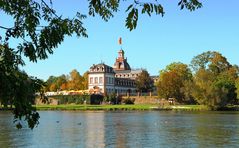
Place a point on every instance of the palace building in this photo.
(118, 79)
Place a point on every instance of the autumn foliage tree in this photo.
(237, 86)
(73, 81)
(169, 85)
(214, 80)
(144, 82)
(76, 80)
(85, 80)
(173, 81)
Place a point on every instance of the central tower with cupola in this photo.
(121, 62)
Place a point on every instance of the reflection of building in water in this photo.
(95, 130)
(121, 138)
(119, 79)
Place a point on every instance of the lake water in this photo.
(124, 129)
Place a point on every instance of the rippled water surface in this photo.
(124, 129)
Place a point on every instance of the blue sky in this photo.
(157, 41)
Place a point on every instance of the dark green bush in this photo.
(128, 101)
(112, 98)
(77, 99)
(96, 99)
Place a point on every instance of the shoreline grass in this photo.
(94, 107)
(121, 107)
(139, 107)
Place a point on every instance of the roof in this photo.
(136, 70)
(101, 68)
(122, 71)
(121, 50)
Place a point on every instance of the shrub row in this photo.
(92, 99)
(79, 99)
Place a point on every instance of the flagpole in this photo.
(120, 42)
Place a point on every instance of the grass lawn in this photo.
(121, 107)
(94, 107)
(127, 107)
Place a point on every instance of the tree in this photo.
(76, 81)
(85, 81)
(174, 82)
(64, 86)
(214, 80)
(106, 9)
(210, 60)
(169, 85)
(237, 87)
(181, 69)
(56, 83)
(144, 82)
(17, 88)
(61, 82)
(35, 42)
(202, 90)
(49, 82)
(39, 30)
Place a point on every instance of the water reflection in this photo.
(5, 130)
(94, 130)
(220, 130)
(124, 129)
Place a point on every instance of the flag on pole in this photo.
(120, 41)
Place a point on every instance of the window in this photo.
(100, 80)
(111, 81)
(96, 79)
(91, 80)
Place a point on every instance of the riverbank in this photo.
(122, 107)
(140, 107)
(95, 107)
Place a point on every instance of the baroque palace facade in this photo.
(118, 79)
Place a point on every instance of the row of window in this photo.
(99, 80)
(125, 83)
(109, 90)
(122, 91)
(96, 80)
(126, 75)
(110, 80)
